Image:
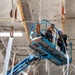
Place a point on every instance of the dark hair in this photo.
(52, 25)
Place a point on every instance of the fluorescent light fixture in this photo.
(7, 34)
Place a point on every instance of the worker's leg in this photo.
(63, 49)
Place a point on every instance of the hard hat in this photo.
(59, 32)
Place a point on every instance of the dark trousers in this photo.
(49, 37)
(62, 48)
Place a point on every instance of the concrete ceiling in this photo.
(49, 10)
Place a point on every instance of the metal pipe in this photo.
(7, 57)
(13, 12)
(46, 65)
(8, 50)
(31, 11)
(3, 43)
(39, 11)
(73, 68)
(62, 15)
(13, 64)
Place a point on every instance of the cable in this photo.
(39, 11)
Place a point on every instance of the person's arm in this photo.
(52, 30)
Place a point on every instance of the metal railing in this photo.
(47, 24)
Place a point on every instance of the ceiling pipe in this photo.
(63, 15)
(9, 46)
(39, 18)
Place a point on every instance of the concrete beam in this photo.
(23, 18)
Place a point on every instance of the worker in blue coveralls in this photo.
(62, 41)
